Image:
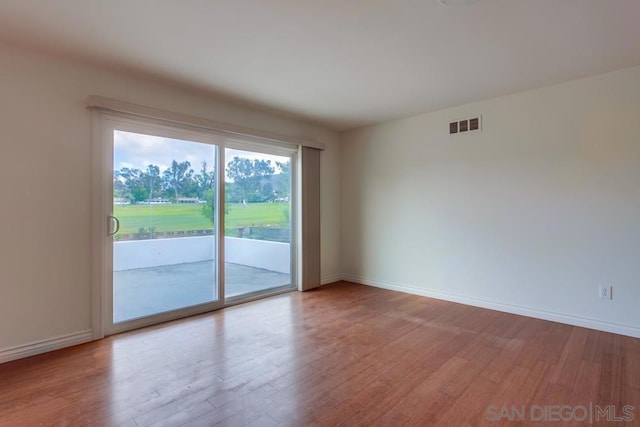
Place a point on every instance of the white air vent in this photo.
(473, 124)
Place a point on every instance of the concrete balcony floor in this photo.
(146, 291)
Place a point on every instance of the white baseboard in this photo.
(508, 308)
(44, 346)
(69, 340)
(331, 279)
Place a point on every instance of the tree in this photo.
(177, 176)
(152, 179)
(136, 189)
(282, 190)
(205, 180)
(120, 188)
(282, 181)
(206, 184)
(250, 177)
(208, 209)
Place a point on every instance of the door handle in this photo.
(113, 221)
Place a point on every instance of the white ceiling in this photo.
(340, 63)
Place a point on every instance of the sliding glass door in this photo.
(170, 251)
(162, 226)
(258, 226)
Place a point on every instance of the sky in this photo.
(137, 151)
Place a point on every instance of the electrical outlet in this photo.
(605, 292)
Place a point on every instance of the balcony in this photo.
(159, 275)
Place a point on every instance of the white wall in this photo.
(530, 215)
(272, 256)
(45, 137)
(134, 254)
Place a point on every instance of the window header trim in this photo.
(107, 104)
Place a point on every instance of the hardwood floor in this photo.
(342, 355)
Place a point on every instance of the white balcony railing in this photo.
(133, 254)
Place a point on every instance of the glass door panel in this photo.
(164, 245)
(257, 223)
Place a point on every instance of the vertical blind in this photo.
(310, 203)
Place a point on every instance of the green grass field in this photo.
(187, 217)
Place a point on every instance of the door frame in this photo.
(104, 122)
